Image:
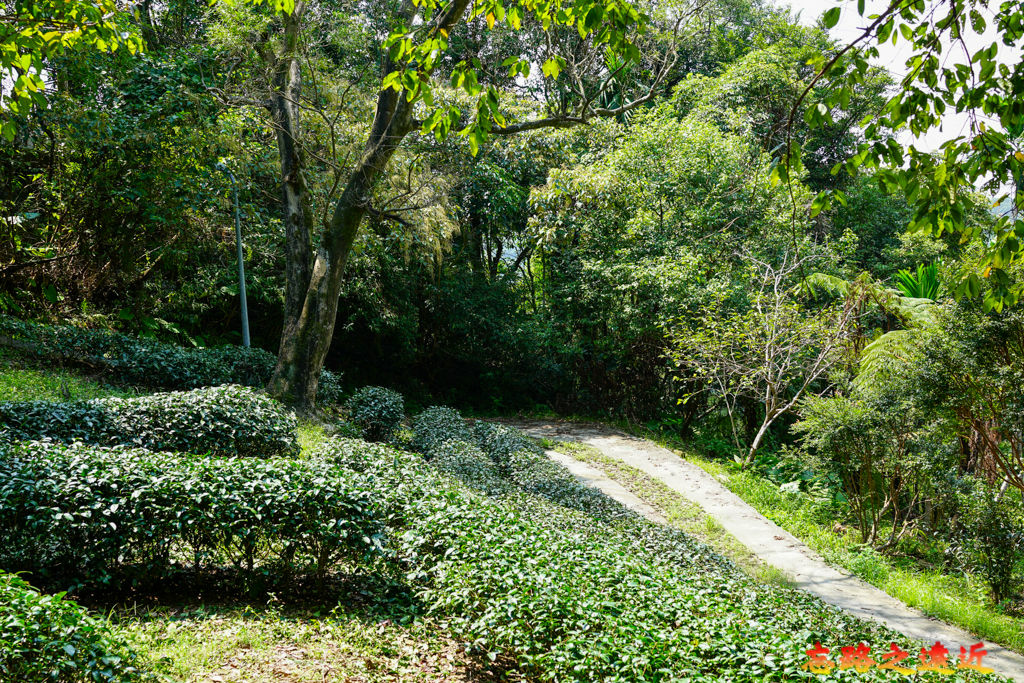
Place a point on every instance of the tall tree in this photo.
(611, 34)
(954, 66)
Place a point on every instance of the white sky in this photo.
(893, 58)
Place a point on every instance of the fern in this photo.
(879, 357)
(830, 284)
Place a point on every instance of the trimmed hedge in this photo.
(147, 362)
(84, 513)
(224, 421)
(471, 466)
(434, 426)
(377, 411)
(48, 638)
(572, 598)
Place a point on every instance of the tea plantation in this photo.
(464, 526)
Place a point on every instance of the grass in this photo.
(23, 381)
(681, 513)
(956, 599)
(267, 643)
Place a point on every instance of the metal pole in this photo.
(241, 260)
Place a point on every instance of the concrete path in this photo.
(765, 539)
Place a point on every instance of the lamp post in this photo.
(221, 166)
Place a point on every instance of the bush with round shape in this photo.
(377, 411)
(222, 421)
(86, 514)
(434, 426)
(49, 638)
(471, 466)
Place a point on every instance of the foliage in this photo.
(146, 362)
(967, 370)
(470, 465)
(989, 539)
(84, 514)
(886, 455)
(774, 353)
(32, 33)
(951, 597)
(50, 638)
(985, 85)
(924, 284)
(222, 421)
(572, 598)
(377, 411)
(436, 425)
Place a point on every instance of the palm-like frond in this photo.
(924, 284)
(885, 353)
(823, 282)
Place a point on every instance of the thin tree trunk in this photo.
(298, 217)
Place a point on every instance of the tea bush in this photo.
(226, 420)
(572, 598)
(470, 465)
(48, 638)
(377, 411)
(434, 426)
(525, 465)
(150, 363)
(85, 514)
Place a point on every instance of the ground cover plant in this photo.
(225, 420)
(577, 590)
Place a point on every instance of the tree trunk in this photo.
(306, 339)
(298, 217)
(769, 418)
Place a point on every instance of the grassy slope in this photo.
(199, 640)
(955, 599)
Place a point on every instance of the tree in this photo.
(774, 353)
(33, 32)
(944, 74)
(411, 60)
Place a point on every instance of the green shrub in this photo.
(434, 426)
(225, 420)
(471, 466)
(48, 638)
(989, 539)
(378, 412)
(526, 466)
(150, 363)
(85, 514)
(571, 598)
(500, 442)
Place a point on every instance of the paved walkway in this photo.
(765, 539)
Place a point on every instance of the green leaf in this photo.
(551, 68)
(831, 17)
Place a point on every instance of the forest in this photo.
(496, 254)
